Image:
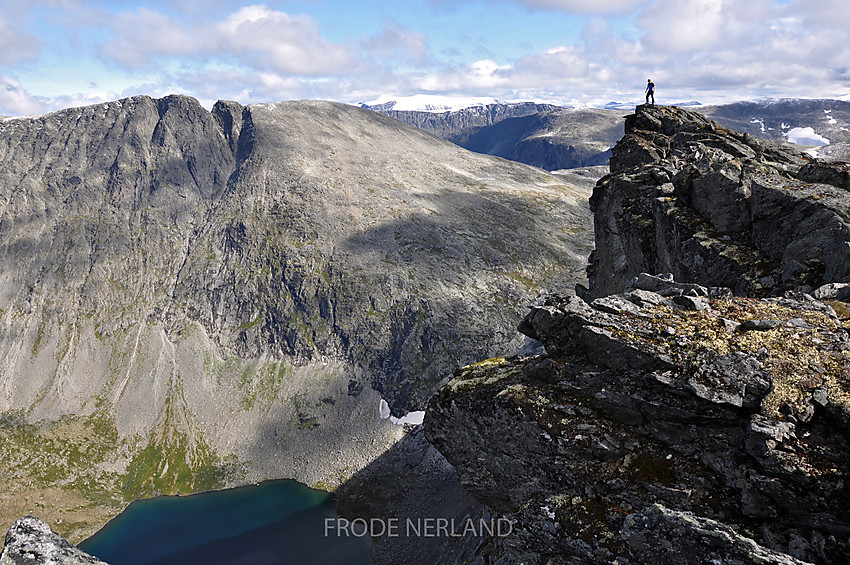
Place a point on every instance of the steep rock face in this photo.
(557, 139)
(460, 123)
(671, 423)
(191, 299)
(717, 207)
(541, 135)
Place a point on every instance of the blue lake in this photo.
(274, 523)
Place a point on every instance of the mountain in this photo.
(554, 138)
(718, 207)
(457, 124)
(541, 135)
(194, 299)
(671, 418)
(427, 103)
(784, 120)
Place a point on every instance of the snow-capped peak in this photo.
(428, 102)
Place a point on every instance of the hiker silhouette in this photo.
(650, 91)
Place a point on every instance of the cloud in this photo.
(254, 36)
(145, 35)
(567, 6)
(17, 46)
(706, 50)
(684, 25)
(583, 6)
(287, 44)
(16, 101)
(398, 42)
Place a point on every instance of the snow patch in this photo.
(415, 418)
(430, 102)
(758, 121)
(436, 103)
(806, 136)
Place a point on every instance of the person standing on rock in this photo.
(650, 91)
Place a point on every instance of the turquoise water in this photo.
(274, 523)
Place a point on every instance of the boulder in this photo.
(31, 542)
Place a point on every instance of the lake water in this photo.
(273, 523)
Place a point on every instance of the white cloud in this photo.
(583, 6)
(287, 44)
(17, 46)
(707, 50)
(397, 40)
(14, 100)
(567, 6)
(683, 25)
(257, 37)
(143, 35)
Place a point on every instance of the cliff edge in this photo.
(700, 416)
(718, 207)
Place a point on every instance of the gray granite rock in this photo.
(30, 541)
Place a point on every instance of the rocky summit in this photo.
(191, 299)
(718, 207)
(697, 416)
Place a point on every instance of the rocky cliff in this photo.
(460, 123)
(718, 207)
(560, 138)
(672, 420)
(672, 423)
(193, 299)
(541, 135)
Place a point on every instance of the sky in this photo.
(62, 53)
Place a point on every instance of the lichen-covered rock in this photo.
(733, 418)
(31, 542)
(660, 536)
(717, 207)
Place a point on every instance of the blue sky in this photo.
(59, 53)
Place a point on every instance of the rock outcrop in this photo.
(717, 207)
(31, 542)
(700, 416)
(672, 423)
(193, 299)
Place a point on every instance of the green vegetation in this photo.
(58, 470)
(248, 325)
(173, 465)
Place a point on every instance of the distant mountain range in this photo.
(554, 137)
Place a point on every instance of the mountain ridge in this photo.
(581, 136)
(194, 299)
